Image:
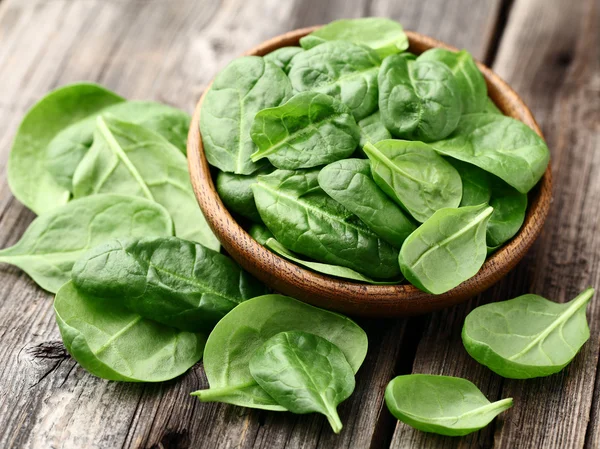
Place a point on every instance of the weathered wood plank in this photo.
(166, 51)
(549, 54)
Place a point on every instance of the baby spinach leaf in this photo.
(471, 83)
(282, 57)
(476, 183)
(28, 177)
(349, 182)
(311, 129)
(308, 221)
(527, 336)
(247, 85)
(115, 344)
(500, 145)
(414, 176)
(372, 129)
(383, 35)
(331, 270)
(304, 373)
(510, 207)
(175, 282)
(55, 240)
(441, 404)
(418, 100)
(236, 193)
(447, 249)
(260, 233)
(343, 70)
(69, 146)
(491, 108)
(246, 328)
(128, 159)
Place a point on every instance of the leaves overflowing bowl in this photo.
(380, 204)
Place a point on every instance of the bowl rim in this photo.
(344, 295)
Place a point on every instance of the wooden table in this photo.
(168, 50)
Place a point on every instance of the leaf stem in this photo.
(334, 420)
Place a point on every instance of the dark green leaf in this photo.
(260, 233)
(372, 129)
(510, 207)
(236, 193)
(175, 282)
(304, 373)
(476, 183)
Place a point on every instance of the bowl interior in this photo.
(351, 297)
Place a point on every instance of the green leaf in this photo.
(510, 208)
(308, 221)
(69, 146)
(441, 404)
(476, 183)
(128, 159)
(491, 108)
(55, 240)
(246, 328)
(282, 57)
(309, 130)
(236, 192)
(527, 336)
(247, 85)
(372, 130)
(418, 100)
(500, 145)
(342, 70)
(414, 176)
(304, 373)
(471, 83)
(383, 35)
(28, 176)
(115, 344)
(447, 249)
(331, 270)
(260, 233)
(350, 183)
(175, 282)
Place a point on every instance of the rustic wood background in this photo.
(168, 50)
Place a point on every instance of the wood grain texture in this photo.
(557, 44)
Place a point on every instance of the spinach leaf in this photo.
(246, 86)
(246, 328)
(414, 176)
(260, 233)
(69, 146)
(510, 207)
(175, 282)
(418, 100)
(55, 240)
(441, 404)
(128, 159)
(308, 221)
(471, 83)
(527, 336)
(500, 145)
(383, 35)
(349, 182)
(491, 108)
(282, 57)
(476, 183)
(28, 177)
(343, 70)
(372, 129)
(236, 193)
(304, 373)
(331, 270)
(447, 249)
(115, 344)
(309, 130)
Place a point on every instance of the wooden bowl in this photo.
(351, 297)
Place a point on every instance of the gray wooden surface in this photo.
(168, 50)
